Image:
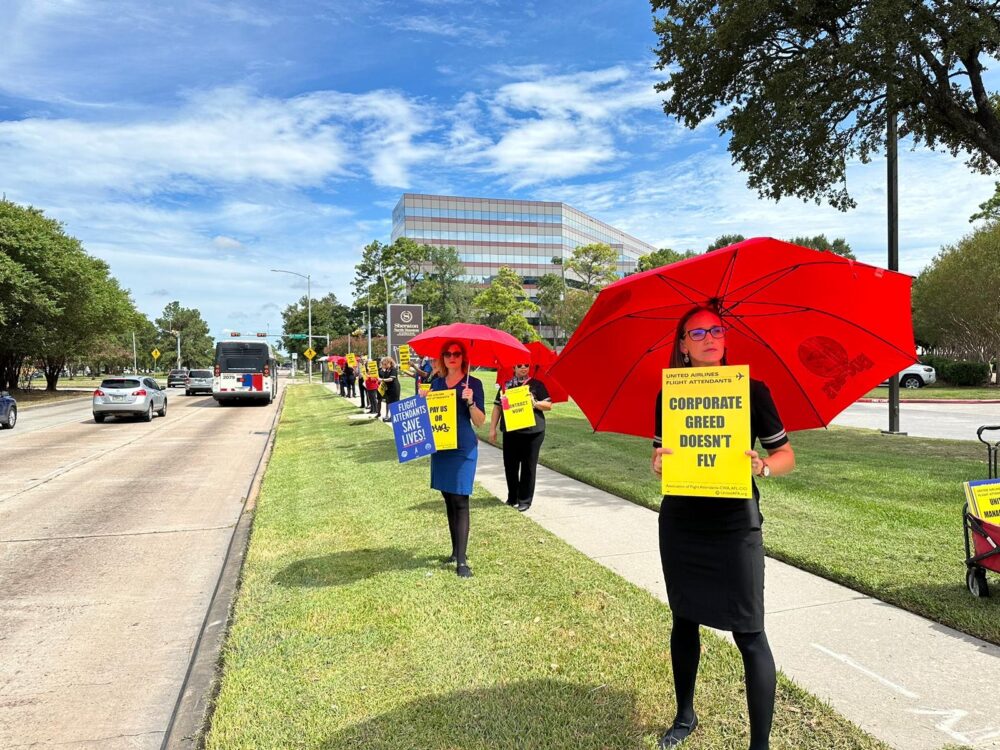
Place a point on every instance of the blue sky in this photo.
(197, 144)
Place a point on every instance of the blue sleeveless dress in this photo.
(455, 470)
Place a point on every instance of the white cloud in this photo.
(226, 243)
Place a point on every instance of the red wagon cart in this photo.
(982, 538)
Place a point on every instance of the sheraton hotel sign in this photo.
(405, 322)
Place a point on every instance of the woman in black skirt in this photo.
(712, 551)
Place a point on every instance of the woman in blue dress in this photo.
(454, 471)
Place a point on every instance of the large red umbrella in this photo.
(819, 329)
(487, 347)
(541, 360)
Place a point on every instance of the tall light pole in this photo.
(308, 307)
(178, 335)
(388, 343)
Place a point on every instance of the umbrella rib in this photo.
(625, 380)
(791, 375)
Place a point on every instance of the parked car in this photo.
(198, 381)
(134, 396)
(915, 376)
(176, 378)
(8, 411)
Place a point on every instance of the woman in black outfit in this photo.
(712, 550)
(521, 447)
(388, 375)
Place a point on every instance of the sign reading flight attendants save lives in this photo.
(442, 407)
(411, 426)
(706, 422)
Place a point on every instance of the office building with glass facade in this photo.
(523, 235)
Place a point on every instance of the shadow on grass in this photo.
(342, 568)
(437, 504)
(532, 714)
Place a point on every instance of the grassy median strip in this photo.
(879, 514)
(348, 632)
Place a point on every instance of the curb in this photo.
(83, 397)
(191, 715)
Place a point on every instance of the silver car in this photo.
(129, 396)
(198, 381)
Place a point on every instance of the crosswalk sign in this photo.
(309, 353)
(156, 354)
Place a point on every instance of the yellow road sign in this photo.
(309, 353)
(156, 354)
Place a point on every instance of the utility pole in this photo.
(135, 359)
(309, 308)
(892, 195)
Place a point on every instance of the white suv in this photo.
(915, 376)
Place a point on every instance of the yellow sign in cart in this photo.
(518, 412)
(441, 405)
(984, 499)
(706, 422)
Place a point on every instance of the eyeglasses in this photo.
(698, 334)
(453, 353)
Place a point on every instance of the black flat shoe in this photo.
(512, 503)
(523, 507)
(464, 571)
(679, 732)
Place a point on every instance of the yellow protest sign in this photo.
(984, 499)
(518, 413)
(706, 422)
(441, 405)
(352, 361)
(404, 356)
(329, 366)
(372, 368)
(424, 388)
(381, 389)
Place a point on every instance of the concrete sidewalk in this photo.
(911, 682)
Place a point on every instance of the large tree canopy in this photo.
(805, 87)
(956, 309)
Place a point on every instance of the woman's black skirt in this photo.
(714, 573)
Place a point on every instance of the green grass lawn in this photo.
(36, 397)
(937, 391)
(348, 633)
(877, 513)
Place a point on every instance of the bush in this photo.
(940, 364)
(966, 373)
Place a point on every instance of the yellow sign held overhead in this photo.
(309, 353)
(404, 356)
(156, 354)
(372, 368)
(441, 405)
(518, 412)
(706, 422)
(352, 360)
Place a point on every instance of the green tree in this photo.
(838, 247)
(595, 265)
(503, 305)
(725, 241)
(551, 290)
(663, 257)
(956, 308)
(442, 288)
(572, 309)
(329, 318)
(807, 87)
(197, 348)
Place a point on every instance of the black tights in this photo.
(758, 664)
(458, 524)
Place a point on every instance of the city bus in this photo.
(245, 371)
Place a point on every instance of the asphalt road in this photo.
(112, 537)
(955, 421)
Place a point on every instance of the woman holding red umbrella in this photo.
(454, 471)
(712, 552)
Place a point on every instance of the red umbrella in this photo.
(541, 360)
(487, 347)
(819, 329)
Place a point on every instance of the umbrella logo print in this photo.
(827, 358)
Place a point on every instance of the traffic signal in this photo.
(234, 333)
(261, 335)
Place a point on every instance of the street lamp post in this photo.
(308, 279)
(388, 343)
(178, 335)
